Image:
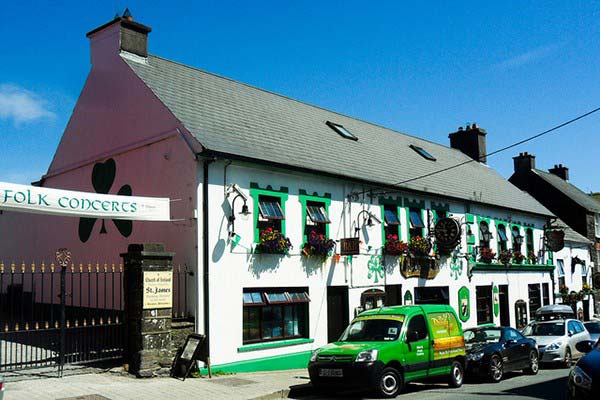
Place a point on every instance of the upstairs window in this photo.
(502, 239)
(270, 212)
(317, 218)
(516, 239)
(598, 225)
(345, 133)
(392, 222)
(560, 264)
(416, 223)
(484, 234)
(422, 152)
(529, 241)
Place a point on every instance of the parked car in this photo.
(1, 388)
(584, 379)
(593, 327)
(384, 348)
(492, 351)
(556, 339)
(554, 311)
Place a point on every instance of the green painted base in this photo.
(284, 361)
(480, 266)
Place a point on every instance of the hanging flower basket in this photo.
(318, 245)
(395, 247)
(487, 255)
(273, 242)
(532, 257)
(505, 257)
(518, 257)
(419, 247)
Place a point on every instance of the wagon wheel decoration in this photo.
(375, 268)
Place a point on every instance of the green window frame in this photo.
(412, 230)
(256, 194)
(305, 201)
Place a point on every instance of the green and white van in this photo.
(386, 347)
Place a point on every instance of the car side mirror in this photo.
(571, 333)
(585, 347)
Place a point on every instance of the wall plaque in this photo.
(349, 246)
(158, 289)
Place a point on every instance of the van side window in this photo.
(417, 329)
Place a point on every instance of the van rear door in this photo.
(447, 341)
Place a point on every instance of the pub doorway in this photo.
(504, 308)
(337, 311)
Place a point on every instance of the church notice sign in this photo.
(41, 200)
(158, 289)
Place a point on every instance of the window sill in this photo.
(273, 345)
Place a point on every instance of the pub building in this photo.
(292, 218)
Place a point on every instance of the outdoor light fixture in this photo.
(235, 189)
(367, 220)
(518, 239)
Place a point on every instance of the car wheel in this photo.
(568, 360)
(457, 374)
(496, 369)
(534, 363)
(390, 382)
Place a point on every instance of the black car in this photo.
(584, 379)
(492, 351)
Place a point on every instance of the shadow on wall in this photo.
(314, 264)
(265, 263)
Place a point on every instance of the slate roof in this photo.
(568, 189)
(234, 118)
(570, 234)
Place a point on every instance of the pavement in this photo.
(113, 384)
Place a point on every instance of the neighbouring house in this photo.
(577, 209)
(266, 187)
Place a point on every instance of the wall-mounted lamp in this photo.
(369, 219)
(518, 239)
(245, 213)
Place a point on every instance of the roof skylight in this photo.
(341, 130)
(424, 153)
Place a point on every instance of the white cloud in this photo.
(530, 56)
(22, 105)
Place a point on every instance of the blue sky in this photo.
(424, 68)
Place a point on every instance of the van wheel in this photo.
(534, 364)
(391, 382)
(456, 375)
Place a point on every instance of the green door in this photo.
(417, 348)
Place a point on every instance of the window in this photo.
(529, 241)
(545, 294)
(422, 152)
(270, 212)
(275, 314)
(484, 234)
(484, 304)
(393, 295)
(392, 222)
(417, 329)
(502, 239)
(584, 279)
(597, 225)
(316, 218)
(416, 223)
(561, 273)
(341, 130)
(516, 239)
(432, 295)
(535, 300)
(511, 334)
(521, 314)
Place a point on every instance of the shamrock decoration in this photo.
(375, 268)
(103, 177)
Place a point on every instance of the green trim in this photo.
(269, 188)
(423, 219)
(255, 194)
(273, 345)
(303, 192)
(414, 203)
(391, 201)
(398, 227)
(281, 362)
(479, 266)
(469, 218)
(440, 206)
(303, 198)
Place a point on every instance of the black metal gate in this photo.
(60, 313)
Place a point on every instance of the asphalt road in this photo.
(548, 384)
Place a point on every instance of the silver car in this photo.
(556, 339)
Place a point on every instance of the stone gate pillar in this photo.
(148, 293)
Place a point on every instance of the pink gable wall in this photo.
(116, 117)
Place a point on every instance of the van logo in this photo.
(333, 359)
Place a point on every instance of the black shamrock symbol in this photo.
(103, 177)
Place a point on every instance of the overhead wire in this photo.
(483, 156)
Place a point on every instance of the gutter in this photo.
(205, 261)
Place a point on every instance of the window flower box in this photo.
(419, 247)
(518, 257)
(318, 244)
(505, 257)
(532, 258)
(487, 255)
(273, 242)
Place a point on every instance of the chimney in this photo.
(122, 34)
(560, 171)
(470, 141)
(524, 162)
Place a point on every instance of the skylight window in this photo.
(424, 153)
(341, 130)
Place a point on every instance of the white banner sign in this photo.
(33, 199)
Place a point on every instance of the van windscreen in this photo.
(372, 330)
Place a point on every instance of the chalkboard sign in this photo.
(194, 349)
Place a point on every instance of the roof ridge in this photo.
(303, 102)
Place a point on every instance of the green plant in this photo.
(505, 257)
(394, 246)
(419, 246)
(273, 242)
(486, 255)
(518, 257)
(318, 245)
